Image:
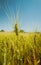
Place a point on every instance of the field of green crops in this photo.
(24, 49)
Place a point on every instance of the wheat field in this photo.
(24, 49)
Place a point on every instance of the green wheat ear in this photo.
(16, 19)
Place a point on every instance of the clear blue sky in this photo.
(29, 14)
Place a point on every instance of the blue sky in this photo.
(29, 14)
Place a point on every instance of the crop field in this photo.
(24, 49)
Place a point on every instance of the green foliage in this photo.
(21, 31)
(2, 31)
